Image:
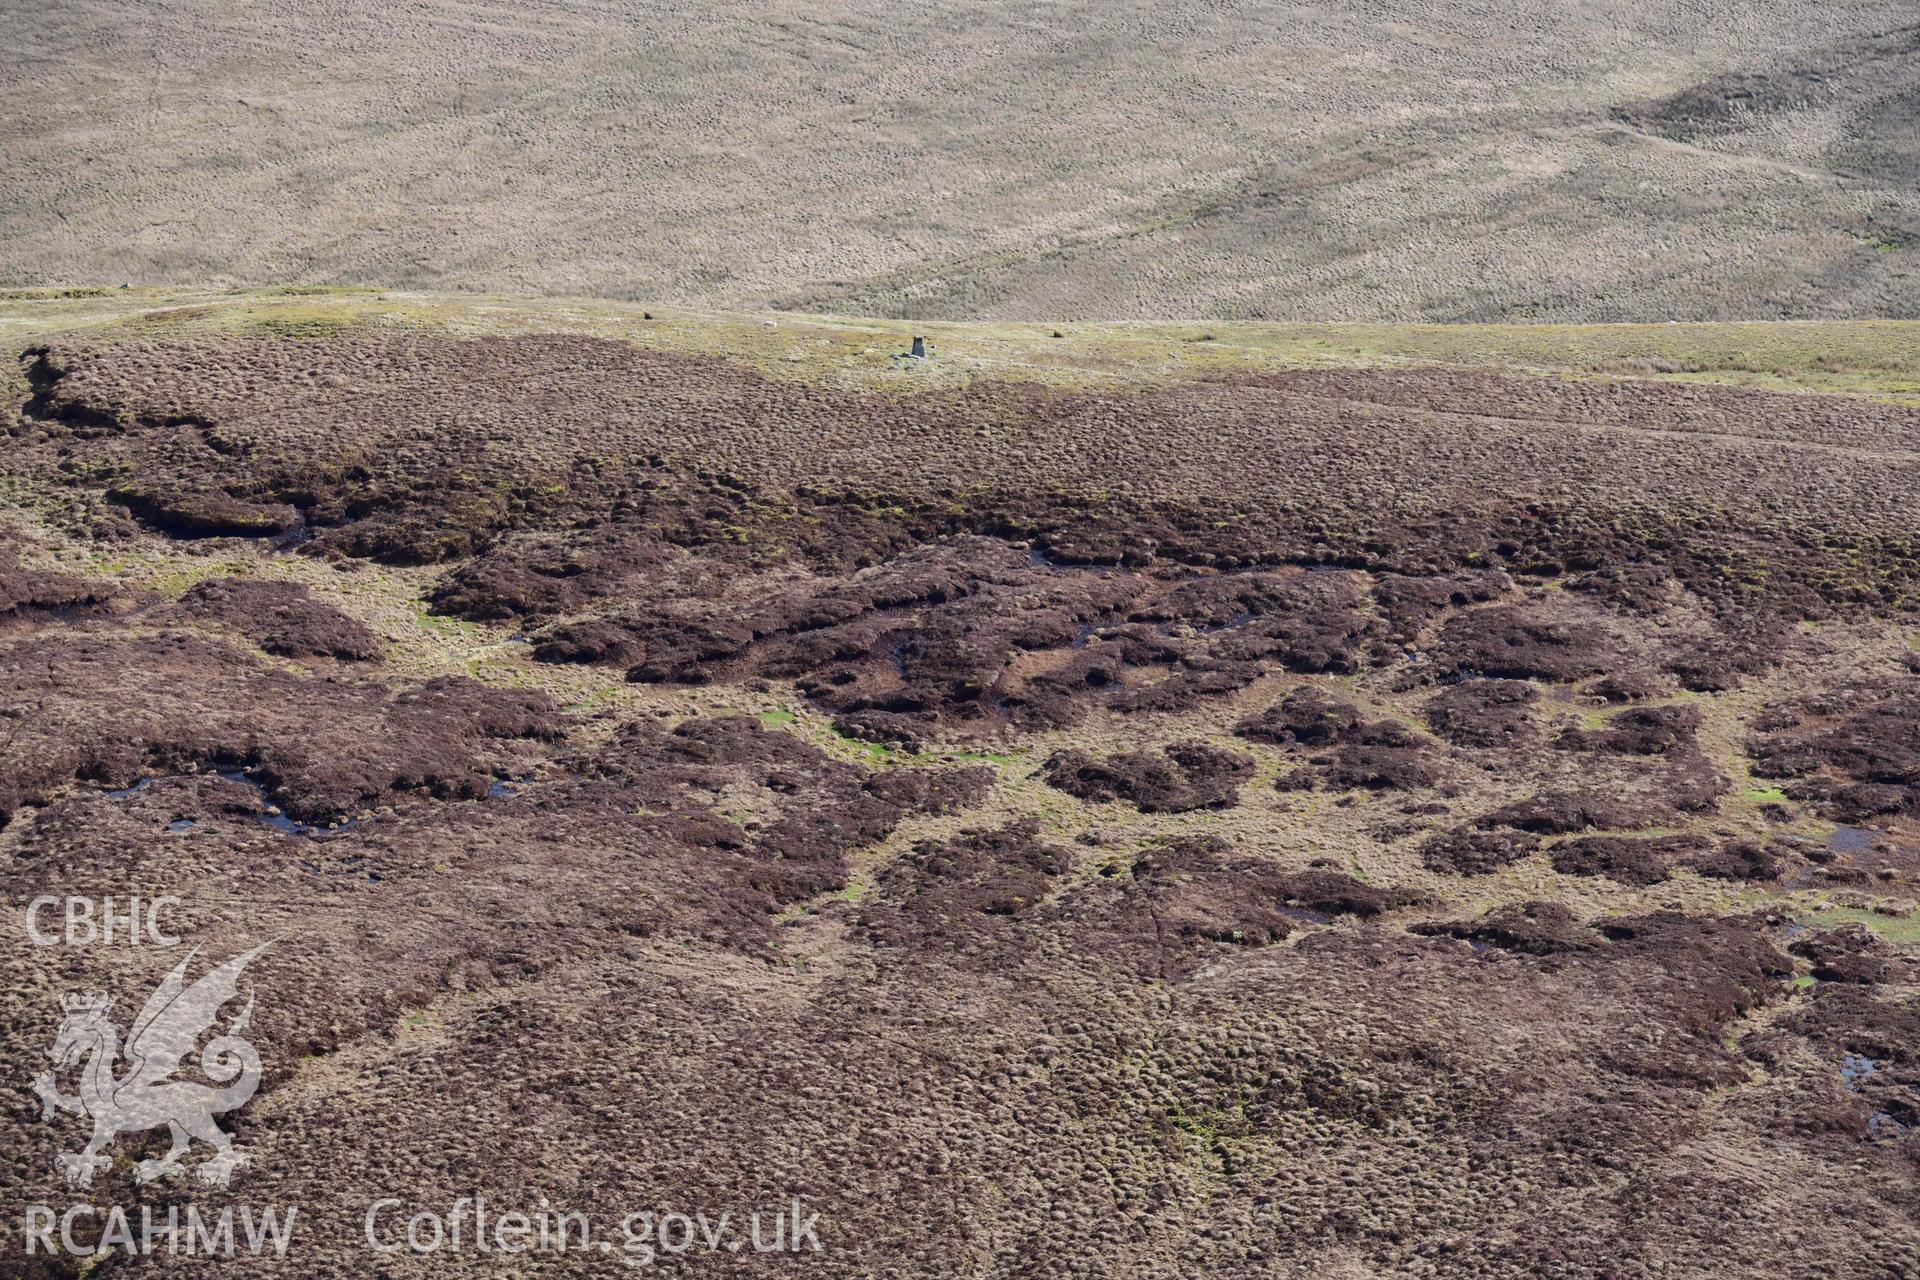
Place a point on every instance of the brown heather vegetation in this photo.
(1282, 823)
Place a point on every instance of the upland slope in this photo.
(1513, 161)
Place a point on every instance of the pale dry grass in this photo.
(980, 160)
(1880, 359)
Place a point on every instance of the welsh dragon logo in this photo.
(147, 1095)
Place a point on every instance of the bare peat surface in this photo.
(1322, 824)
